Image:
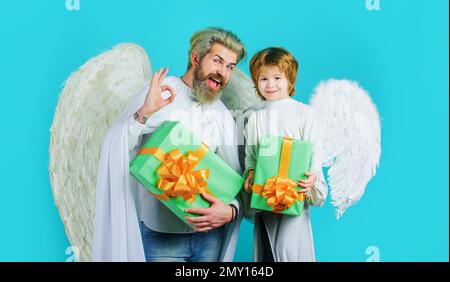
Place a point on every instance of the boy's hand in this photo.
(307, 184)
(249, 181)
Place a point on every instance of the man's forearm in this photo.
(136, 127)
(142, 115)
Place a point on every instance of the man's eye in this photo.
(231, 67)
(216, 61)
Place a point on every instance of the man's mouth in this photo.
(214, 83)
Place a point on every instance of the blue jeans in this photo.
(191, 247)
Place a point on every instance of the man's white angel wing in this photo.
(351, 139)
(91, 100)
(240, 94)
(241, 99)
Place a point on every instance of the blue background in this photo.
(399, 54)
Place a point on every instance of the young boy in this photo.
(279, 237)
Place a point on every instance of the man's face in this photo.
(212, 73)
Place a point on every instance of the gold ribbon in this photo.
(177, 177)
(280, 191)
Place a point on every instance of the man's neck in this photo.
(188, 78)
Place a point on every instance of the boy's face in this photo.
(272, 83)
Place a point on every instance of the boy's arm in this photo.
(251, 145)
(312, 133)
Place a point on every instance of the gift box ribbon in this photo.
(280, 190)
(177, 176)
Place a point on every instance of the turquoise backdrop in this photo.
(398, 53)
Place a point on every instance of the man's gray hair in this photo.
(202, 41)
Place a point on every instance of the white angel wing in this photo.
(240, 94)
(91, 100)
(351, 139)
(241, 99)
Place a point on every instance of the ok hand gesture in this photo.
(154, 102)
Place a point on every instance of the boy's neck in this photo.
(282, 98)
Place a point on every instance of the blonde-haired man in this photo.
(153, 233)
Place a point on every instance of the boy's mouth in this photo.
(271, 92)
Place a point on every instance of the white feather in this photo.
(351, 139)
(92, 98)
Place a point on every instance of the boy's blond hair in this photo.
(275, 56)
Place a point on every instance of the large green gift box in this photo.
(175, 167)
(280, 163)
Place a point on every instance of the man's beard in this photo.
(203, 93)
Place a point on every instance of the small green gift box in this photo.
(280, 163)
(175, 167)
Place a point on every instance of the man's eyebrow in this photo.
(224, 60)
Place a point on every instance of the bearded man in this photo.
(130, 224)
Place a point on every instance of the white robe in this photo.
(290, 237)
(116, 222)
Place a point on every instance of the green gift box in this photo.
(175, 167)
(280, 163)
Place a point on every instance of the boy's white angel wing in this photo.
(92, 98)
(351, 139)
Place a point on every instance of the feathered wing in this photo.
(351, 139)
(91, 100)
(240, 94)
(241, 99)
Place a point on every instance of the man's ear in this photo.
(195, 59)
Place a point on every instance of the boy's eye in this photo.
(263, 79)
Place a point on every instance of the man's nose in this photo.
(222, 70)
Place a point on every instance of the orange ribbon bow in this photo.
(176, 173)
